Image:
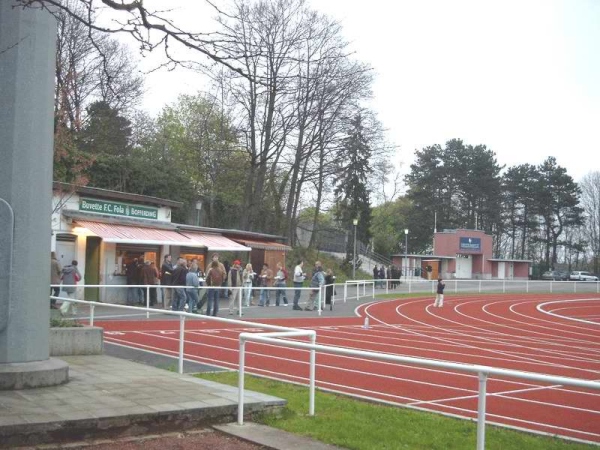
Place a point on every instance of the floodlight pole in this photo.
(406, 252)
(355, 222)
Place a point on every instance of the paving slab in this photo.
(272, 437)
(102, 399)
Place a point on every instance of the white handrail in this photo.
(241, 290)
(182, 315)
(483, 372)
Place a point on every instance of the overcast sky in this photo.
(520, 76)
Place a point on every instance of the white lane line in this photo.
(526, 325)
(352, 372)
(564, 328)
(526, 423)
(540, 308)
(508, 395)
(537, 350)
(392, 340)
(458, 334)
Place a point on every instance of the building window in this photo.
(125, 255)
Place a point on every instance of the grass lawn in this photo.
(355, 424)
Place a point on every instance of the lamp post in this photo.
(406, 252)
(355, 222)
(198, 210)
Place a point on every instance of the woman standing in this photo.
(247, 280)
(280, 283)
(192, 283)
(70, 277)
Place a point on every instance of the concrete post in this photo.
(27, 67)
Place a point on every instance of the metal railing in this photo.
(483, 372)
(242, 291)
(367, 287)
(280, 333)
(182, 317)
(412, 285)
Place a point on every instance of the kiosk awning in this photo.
(265, 245)
(215, 242)
(127, 234)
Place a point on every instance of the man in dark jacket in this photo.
(131, 274)
(178, 281)
(166, 279)
(149, 279)
(375, 275)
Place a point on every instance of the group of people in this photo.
(182, 283)
(68, 275)
(392, 273)
(183, 280)
(319, 278)
(269, 281)
(140, 272)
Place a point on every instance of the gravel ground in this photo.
(204, 439)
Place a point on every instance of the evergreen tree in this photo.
(106, 131)
(351, 183)
(458, 183)
(557, 196)
(520, 208)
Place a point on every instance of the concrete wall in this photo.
(76, 341)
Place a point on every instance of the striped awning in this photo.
(265, 245)
(215, 242)
(128, 234)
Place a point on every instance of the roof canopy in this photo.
(214, 242)
(263, 245)
(127, 234)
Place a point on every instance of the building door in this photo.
(65, 252)
(92, 267)
(501, 270)
(464, 266)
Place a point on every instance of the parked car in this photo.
(555, 275)
(581, 275)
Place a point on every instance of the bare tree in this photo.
(268, 34)
(90, 67)
(152, 29)
(590, 201)
(327, 87)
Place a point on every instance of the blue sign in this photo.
(470, 244)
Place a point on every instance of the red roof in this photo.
(265, 245)
(215, 242)
(128, 234)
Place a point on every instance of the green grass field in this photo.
(360, 425)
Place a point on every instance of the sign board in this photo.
(117, 209)
(468, 244)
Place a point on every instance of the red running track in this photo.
(548, 334)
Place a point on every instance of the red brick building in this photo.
(463, 254)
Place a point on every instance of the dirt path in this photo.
(204, 439)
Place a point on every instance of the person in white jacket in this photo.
(247, 279)
(234, 283)
(299, 277)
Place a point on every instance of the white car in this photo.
(580, 275)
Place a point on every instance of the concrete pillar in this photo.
(27, 65)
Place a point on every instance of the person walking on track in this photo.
(439, 297)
